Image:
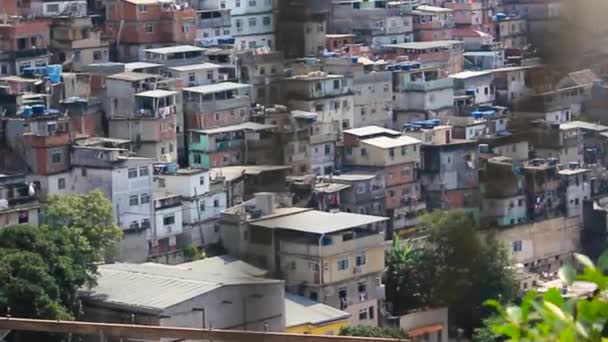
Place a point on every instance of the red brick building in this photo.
(142, 24)
(23, 44)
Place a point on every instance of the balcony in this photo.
(30, 53)
(218, 105)
(429, 85)
(323, 138)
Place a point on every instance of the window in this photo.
(216, 203)
(363, 314)
(360, 188)
(252, 3)
(210, 75)
(134, 225)
(262, 71)
(133, 173)
(342, 264)
(61, 183)
(202, 206)
(266, 21)
(56, 157)
(144, 199)
(363, 152)
(327, 148)
(253, 22)
(336, 84)
(360, 259)
(196, 159)
(133, 200)
(144, 171)
(185, 28)
(149, 28)
(97, 55)
(83, 172)
(24, 217)
(191, 77)
(201, 180)
(391, 153)
(319, 108)
(520, 202)
(168, 219)
(362, 287)
(371, 313)
(142, 8)
(517, 246)
(252, 44)
(237, 3)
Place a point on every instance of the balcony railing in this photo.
(429, 85)
(370, 241)
(27, 53)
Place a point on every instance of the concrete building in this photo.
(99, 163)
(513, 84)
(135, 25)
(511, 31)
(213, 27)
(167, 236)
(576, 188)
(399, 159)
(467, 13)
(429, 324)
(446, 54)
(366, 192)
(375, 23)
(333, 258)
(245, 143)
(479, 84)
(221, 292)
(18, 201)
(172, 56)
(372, 87)
(542, 246)
(195, 74)
(542, 181)
(151, 124)
(42, 141)
(252, 22)
(302, 27)
(202, 200)
(264, 70)
(420, 92)
(77, 41)
(216, 105)
(330, 96)
(24, 44)
(449, 174)
(484, 60)
(474, 40)
(433, 23)
(305, 316)
(502, 189)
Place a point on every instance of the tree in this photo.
(368, 331)
(551, 316)
(453, 267)
(408, 278)
(42, 269)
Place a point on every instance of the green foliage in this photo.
(367, 331)
(191, 252)
(454, 267)
(551, 317)
(42, 269)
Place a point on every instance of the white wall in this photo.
(184, 185)
(161, 230)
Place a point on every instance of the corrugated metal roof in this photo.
(469, 74)
(140, 65)
(132, 76)
(301, 310)
(155, 287)
(319, 222)
(246, 126)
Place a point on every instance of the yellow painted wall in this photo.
(374, 263)
(325, 329)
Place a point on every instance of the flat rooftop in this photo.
(318, 222)
(132, 76)
(157, 93)
(194, 67)
(386, 142)
(371, 130)
(301, 310)
(140, 65)
(425, 45)
(590, 126)
(218, 87)
(470, 74)
(175, 49)
(246, 126)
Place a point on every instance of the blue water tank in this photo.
(436, 122)
(172, 168)
(500, 16)
(54, 72)
(354, 59)
(53, 112)
(26, 111)
(415, 65)
(38, 109)
(406, 67)
(470, 92)
(476, 114)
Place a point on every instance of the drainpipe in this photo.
(321, 269)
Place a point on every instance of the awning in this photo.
(425, 330)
